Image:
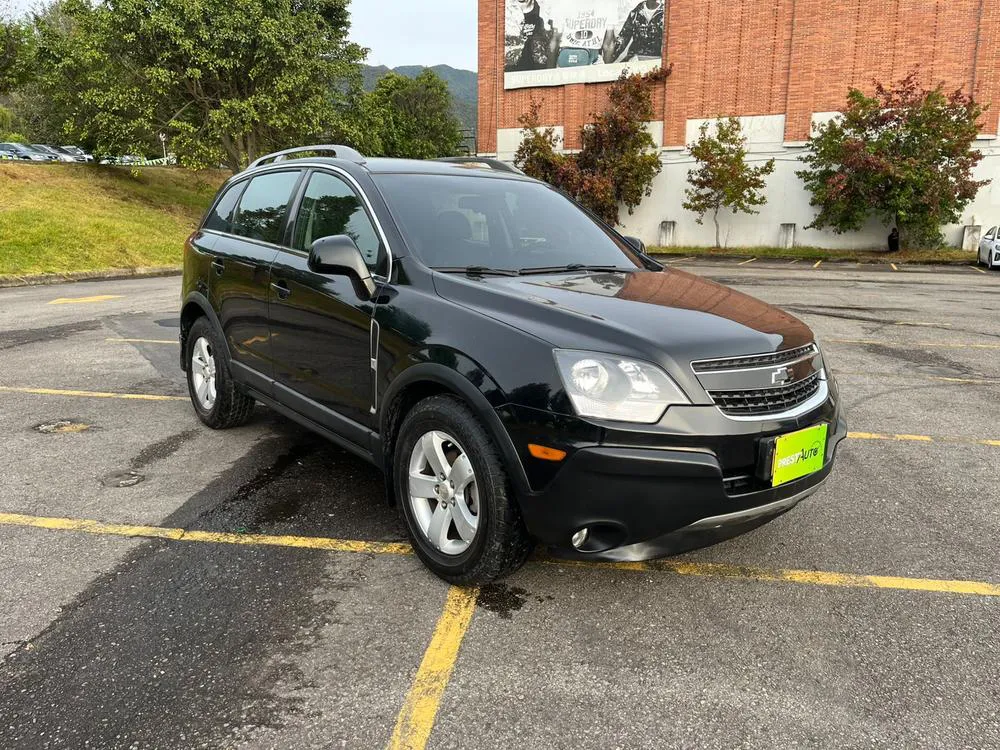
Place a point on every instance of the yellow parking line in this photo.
(85, 300)
(817, 264)
(718, 570)
(977, 268)
(902, 376)
(143, 341)
(814, 577)
(921, 439)
(181, 535)
(746, 262)
(915, 345)
(415, 721)
(92, 394)
(894, 268)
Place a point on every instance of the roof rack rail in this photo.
(339, 152)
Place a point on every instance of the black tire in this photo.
(232, 407)
(501, 544)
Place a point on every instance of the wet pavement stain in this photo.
(162, 449)
(921, 357)
(179, 646)
(10, 339)
(501, 599)
(249, 508)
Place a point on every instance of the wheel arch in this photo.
(428, 379)
(195, 306)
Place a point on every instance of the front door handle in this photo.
(219, 266)
(281, 289)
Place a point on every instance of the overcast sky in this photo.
(408, 32)
(398, 32)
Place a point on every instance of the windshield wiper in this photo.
(573, 267)
(479, 271)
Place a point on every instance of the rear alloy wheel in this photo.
(455, 494)
(219, 403)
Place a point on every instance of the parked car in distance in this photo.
(53, 152)
(77, 152)
(27, 152)
(8, 153)
(520, 371)
(989, 249)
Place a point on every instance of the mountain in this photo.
(464, 86)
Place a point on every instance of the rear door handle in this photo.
(219, 265)
(281, 289)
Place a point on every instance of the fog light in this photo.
(580, 538)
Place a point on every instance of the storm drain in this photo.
(61, 426)
(123, 479)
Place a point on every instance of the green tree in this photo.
(904, 155)
(618, 161)
(723, 179)
(226, 82)
(406, 118)
(17, 49)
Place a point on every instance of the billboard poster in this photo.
(556, 42)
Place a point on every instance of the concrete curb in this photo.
(109, 274)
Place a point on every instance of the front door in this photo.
(320, 326)
(242, 267)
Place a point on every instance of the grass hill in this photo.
(464, 86)
(57, 218)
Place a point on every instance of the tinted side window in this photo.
(263, 205)
(221, 217)
(330, 207)
(992, 233)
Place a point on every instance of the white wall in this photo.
(787, 200)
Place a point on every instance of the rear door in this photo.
(241, 272)
(321, 330)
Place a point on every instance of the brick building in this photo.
(779, 65)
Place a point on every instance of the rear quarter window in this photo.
(220, 218)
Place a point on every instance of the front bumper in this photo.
(644, 502)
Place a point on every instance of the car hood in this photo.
(669, 316)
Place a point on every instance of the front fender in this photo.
(462, 376)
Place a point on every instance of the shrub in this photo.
(618, 161)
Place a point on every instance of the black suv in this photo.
(518, 370)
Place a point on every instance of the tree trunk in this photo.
(715, 218)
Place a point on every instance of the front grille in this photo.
(755, 360)
(759, 402)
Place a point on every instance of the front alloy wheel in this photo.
(455, 495)
(444, 496)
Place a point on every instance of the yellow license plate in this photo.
(799, 454)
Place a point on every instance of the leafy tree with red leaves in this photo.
(619, 159)
(905, 155)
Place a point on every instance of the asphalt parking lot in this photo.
(166, 586)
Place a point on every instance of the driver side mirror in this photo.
(637, 244)
(338, 255)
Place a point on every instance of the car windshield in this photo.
(465, 222)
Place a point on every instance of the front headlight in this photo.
(603, 386)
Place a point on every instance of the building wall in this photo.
(775, 63)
